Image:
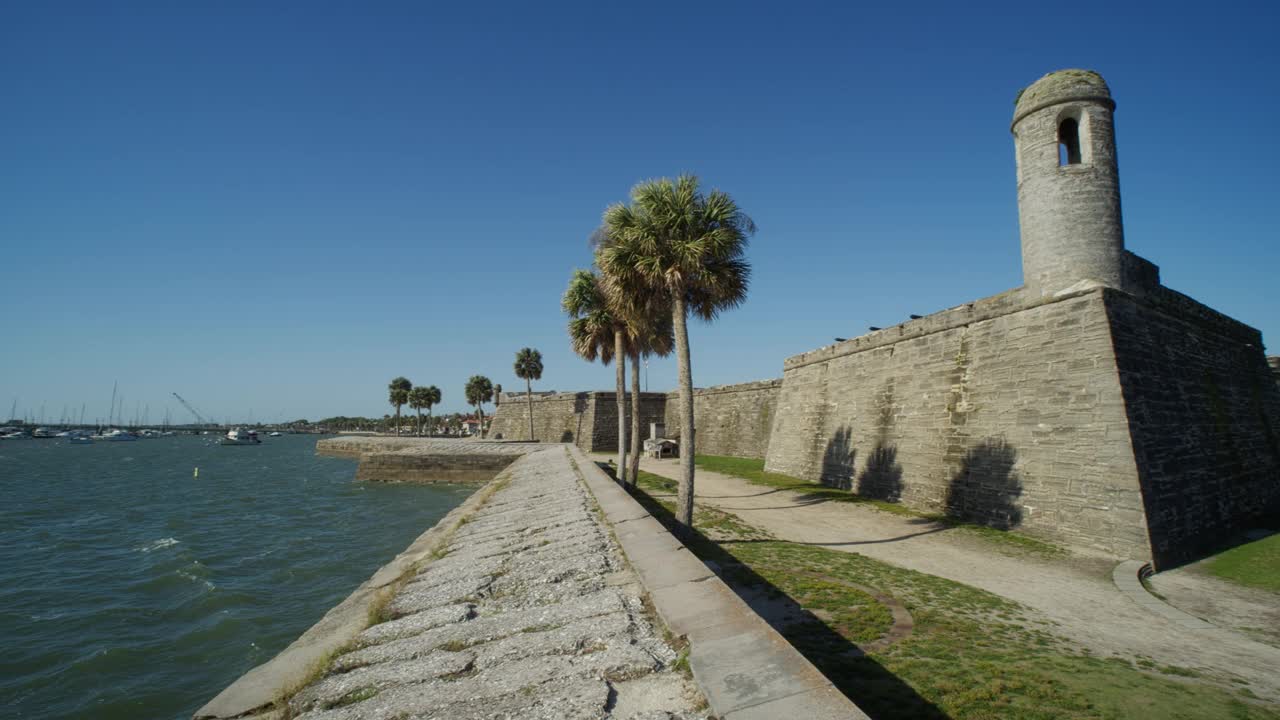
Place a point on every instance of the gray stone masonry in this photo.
(1204, 418)
(1012, 418)
(1069, 213)
(1091, 406)
(589, 420)
(532, 612)
(733, 420)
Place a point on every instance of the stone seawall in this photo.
(390, 459)
(1000, 412)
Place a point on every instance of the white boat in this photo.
(238, 436)
(275, 433)
(79, 437)
(43, 433)
(119, 436)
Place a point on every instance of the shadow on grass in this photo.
(875, 690)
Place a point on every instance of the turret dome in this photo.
(1061, 86)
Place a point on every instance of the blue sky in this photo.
(275, 208)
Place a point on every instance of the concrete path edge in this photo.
(255, 691)
(1128, 579)
(743, 666)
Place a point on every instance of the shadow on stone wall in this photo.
(881, 479)
(838, 460)
(986, 489)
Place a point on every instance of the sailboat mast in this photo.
(111, 417)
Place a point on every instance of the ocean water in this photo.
(131, 589)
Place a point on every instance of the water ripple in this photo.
(132, 590)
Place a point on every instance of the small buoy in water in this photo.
(196, 473)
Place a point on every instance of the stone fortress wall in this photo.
(586, 419)
(734, 419)
(1090, 406)
(1006, 412)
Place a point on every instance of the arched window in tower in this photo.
(1069, 142)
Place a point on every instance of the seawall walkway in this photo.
(530, 613)
(551, 593)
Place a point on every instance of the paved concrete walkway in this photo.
(1077, 593)
(532, 613)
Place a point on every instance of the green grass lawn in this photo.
(971, 654)
(1255, 564)
(752, 470)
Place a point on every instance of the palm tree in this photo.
(651, 334)
(687, 246)
(479, 391)
(594, 332)
(399, 395)
(529, 368)
(497, 396)
(431, 398)
(647, 316)
(417, 401)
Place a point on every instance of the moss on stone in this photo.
(1063, 83)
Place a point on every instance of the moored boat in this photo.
(238, 436)
(119, 436)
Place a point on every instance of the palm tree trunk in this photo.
(480, 413)
(621, 390)
(419, 422)
(528, 387)
(397, 421)
(684, 497)
(635, 419)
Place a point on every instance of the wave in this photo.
(196, 579)
(158, 544)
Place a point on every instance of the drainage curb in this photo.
(1128, 577)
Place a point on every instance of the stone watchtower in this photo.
(1068, 184)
